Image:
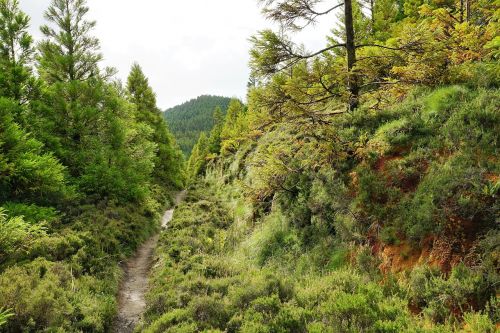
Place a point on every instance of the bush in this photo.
(439, 297)
(478, 323)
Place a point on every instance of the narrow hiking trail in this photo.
(131, 297)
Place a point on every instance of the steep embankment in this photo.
(188, 120)
(387, 226)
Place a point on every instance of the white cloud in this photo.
(186, 48)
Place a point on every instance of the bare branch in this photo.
(315, 54)
(290, 12)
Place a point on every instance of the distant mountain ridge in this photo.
(188, 120)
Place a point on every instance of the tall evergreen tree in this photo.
(234, 111)
(142, 95)
(274, 52)
(235, 124)
(69, 52)
(16, 52)
(168, 161)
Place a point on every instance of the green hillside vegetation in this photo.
(360, 201)
(355, 191)
(389, 240)
(85, 168)
(188, 120)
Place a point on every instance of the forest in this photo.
(188, 120)
(86, 167)
(355, 189)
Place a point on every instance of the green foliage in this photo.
(16, 52)
(439, 297)
(67, 278)
(215, 133)
(476, 322)
(198, 159)
(203, 282)
(16, 236)
(69, 52)
(322, 211)
(225, 137)
(428, 167)
(46, 295)
(300, 211)
(85, 168)
(93, 132)
(4, 316)
(26, 171)
(168, 161)
(188, 120)
(234, 128)
(33, 213)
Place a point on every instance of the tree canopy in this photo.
(188, 120)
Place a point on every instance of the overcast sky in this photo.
(186, 48)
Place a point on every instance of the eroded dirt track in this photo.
(131, 298)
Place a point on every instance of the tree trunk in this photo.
(351, 56)
(372, 9)
(467, 9)
(461, 11)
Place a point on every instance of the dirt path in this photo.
(131, 298)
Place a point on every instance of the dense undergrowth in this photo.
(398, 237)
(86, 166)
(63, 276)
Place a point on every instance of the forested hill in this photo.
(188, 120)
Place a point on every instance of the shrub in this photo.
(4, 316)
(439, 297)
(478, 323)
(16, 237)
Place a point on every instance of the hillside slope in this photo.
(393, 232)
(188, 120)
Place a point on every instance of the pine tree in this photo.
(69, 52)
(26, 171)
(198, 159)
(142, 95)
(273, 53)
(233, 111)
(168, 160)
(276, 53)
(235, 125)
(215, 133)
(16, 52)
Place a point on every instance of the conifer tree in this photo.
(233, 111)
(16, 52)
(168, 161)
(26, 171)
(142, 95)
(234, 126)
(215, 133)
(69, 52)
(198, 159)
(273, 51)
